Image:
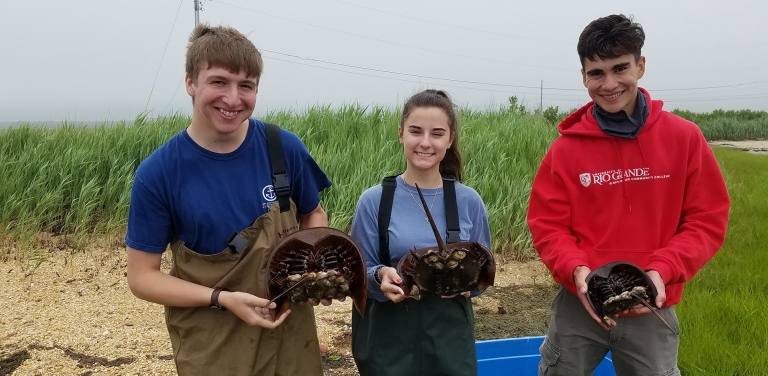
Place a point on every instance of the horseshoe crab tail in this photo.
(648, 305)
(440, 243)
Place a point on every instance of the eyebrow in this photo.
(617, 66)
(222, 78)
(433, 129)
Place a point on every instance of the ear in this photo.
(583, 77)
(453, 136)
(189, 85)
(641, 67)
(400, 134)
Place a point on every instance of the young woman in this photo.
(433, 335)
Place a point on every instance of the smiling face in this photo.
(223, 101)
(425, 135)
(612, 83)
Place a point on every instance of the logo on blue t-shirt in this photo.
(269, 193)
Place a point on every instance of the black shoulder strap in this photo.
(451, 209)
(388, 185)
(277, 162)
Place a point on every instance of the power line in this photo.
(163, 57)
(394, 79)
(715, 87)
(390, 42)
(756, 96)
(709, 48)
(489, 83)
(541, 88)
(467, 56)
(174, 94)
(450, 25)
(538, 39)
(398, 73)
(547, 96)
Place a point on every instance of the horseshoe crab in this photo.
(615, 287)
(316, 263)
(445, 269)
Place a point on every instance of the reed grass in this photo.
(76, 180)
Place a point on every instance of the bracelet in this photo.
(377, 274)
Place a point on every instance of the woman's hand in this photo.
(390, 282)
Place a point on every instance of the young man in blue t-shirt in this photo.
(209, 181)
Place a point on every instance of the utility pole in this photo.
(197, 12)
(541, 95)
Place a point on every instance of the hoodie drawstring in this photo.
(621, 163)
(642, 152)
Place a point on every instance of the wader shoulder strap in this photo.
(451, 209)
(236, 242)
(385, 213)
(277, 162)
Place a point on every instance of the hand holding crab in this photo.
(621, 287)
(390, 282)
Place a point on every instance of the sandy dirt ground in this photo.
(753, 146)
(68, 312)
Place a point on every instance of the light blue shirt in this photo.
(408, 229)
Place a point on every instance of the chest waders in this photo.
(213, 342)
(430, 336)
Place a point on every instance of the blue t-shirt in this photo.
(408, 229)
(185, 191)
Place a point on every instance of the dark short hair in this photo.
(610, 37)
(451, 163)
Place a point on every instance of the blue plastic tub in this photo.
(519, 357)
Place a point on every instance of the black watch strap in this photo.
(215, 298)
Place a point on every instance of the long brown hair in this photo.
(451, 163)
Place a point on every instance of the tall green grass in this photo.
(729, 125)
(77, 180)
(73, 180)
(723, 315)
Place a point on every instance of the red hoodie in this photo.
(658, 200)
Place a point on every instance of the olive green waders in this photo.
(213, 342)
(431, 336)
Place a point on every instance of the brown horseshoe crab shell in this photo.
(328, 259)
(460, 267)
(446, 269)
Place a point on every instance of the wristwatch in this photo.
(215, 299)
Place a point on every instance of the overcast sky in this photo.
(89, 60)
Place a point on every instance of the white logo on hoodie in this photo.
(586, 179)
(611, 177)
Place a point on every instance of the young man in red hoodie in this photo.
(627, 181)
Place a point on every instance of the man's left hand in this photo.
(661, 294)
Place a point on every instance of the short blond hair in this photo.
(222, 47)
